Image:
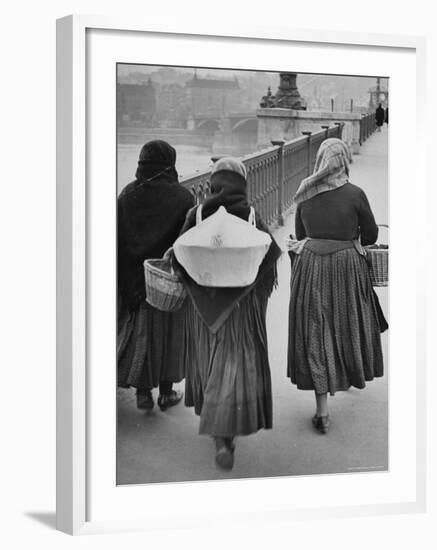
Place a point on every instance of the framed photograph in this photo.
(232, 342)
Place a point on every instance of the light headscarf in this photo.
(331, 170)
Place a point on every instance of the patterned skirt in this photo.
(334, 322)
(149, 347)
(228, 373)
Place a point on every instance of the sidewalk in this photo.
(165, 447)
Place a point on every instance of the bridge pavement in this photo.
(157, 446)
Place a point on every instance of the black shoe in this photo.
(224, 456)
(322, 423)
(169, 400)
(145, 400)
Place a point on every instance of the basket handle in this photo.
(199, 214)
(382, 225)
(168, 256)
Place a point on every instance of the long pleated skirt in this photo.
(228, 373)
(149, 347)
(335, 322)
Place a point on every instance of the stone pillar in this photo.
(288, 96)
(289, 124)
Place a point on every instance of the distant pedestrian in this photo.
(335, 319)
(151, 212)
(379, 117)
(228, 373)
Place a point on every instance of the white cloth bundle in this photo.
(223, 250)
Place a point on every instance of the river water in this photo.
(190, 159)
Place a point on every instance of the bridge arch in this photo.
(209, 124)
(246, 126)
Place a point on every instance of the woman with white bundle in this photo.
(227, 367)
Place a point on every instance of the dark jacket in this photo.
(342, 214)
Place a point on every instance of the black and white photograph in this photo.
(252, 273)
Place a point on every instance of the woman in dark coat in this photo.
(228, 373)
(151, 211)
(335, 320)
(379, 117)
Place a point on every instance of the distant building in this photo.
(136, 103)
(214, 97)
(172, 105)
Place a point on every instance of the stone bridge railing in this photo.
(273, 174)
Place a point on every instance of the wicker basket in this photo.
(164, 290)
(378, 260)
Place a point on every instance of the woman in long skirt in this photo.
(151, 212)
(335, 319)
(228, 373)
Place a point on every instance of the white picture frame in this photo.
(75, 216)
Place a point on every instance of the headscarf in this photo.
(230, 164)
(157, 157)
(331, 170)
(228, 189)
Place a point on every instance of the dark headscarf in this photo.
(214, 305)
(228, 189)
(150, 213)
(156, 158)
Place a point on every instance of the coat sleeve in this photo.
(366, 220)
(298, 225)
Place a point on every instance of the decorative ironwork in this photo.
(274, 174)
(367, 126)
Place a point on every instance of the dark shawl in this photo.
(214, 305)
(150, 213)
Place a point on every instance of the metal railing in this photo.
(367, 126)
(273, 174)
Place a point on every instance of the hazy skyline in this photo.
(309, 84)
